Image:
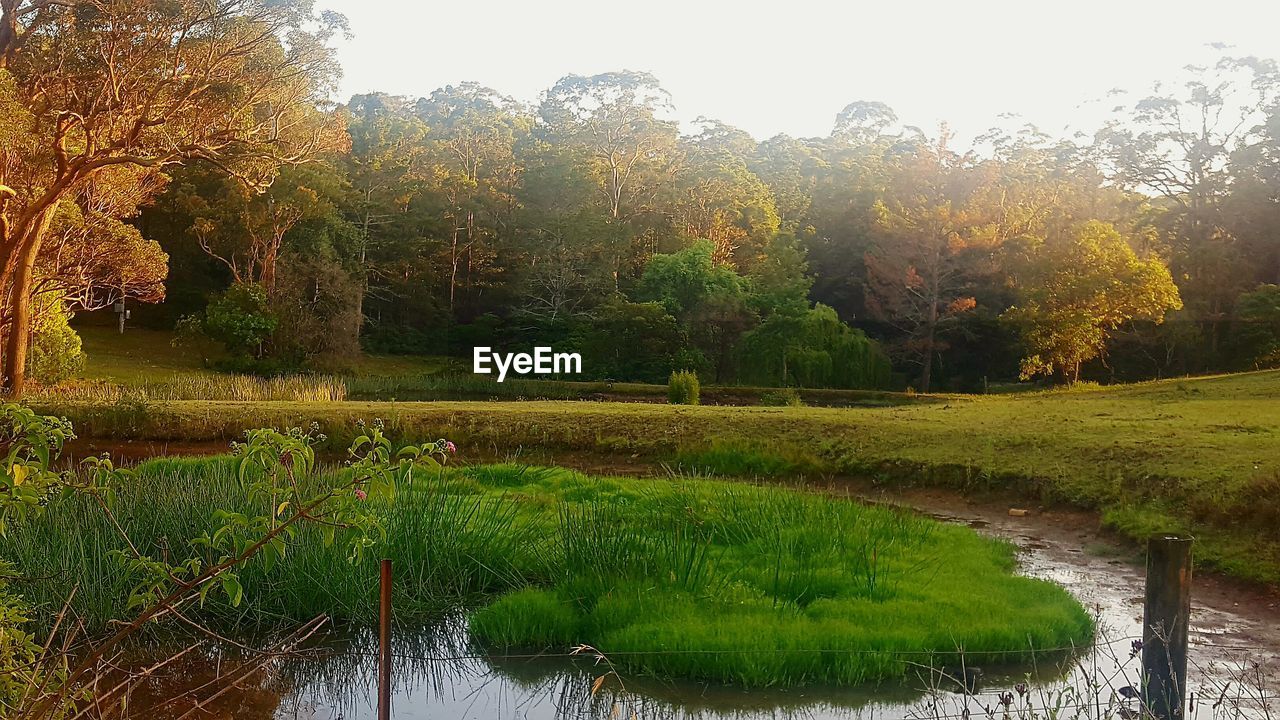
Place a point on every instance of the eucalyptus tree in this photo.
(1177, 144)
(472, 169)
(931, 229)
(720, 199)
(385, 172)
(148, 83)
(618, 125)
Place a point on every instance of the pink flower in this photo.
(361, 494)
(448, 445)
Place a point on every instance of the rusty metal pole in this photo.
(384, 644)
(1166, 615)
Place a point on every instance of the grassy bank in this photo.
(1199, 455)
(676, 578)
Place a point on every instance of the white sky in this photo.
(791, 66)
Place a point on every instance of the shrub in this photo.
(630, 341)
(55, 354)
(683, 388)
(241, 319)
(782, 397)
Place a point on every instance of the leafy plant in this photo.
(281, 494)
(241, 319)
(683, 388)
(56, 353)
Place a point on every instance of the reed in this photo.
(202, 386)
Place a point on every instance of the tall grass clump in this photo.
(676, 578)
(202, 386)
(683, 388)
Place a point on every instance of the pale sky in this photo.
(789, 67)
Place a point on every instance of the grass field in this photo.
(1199, 455)
(676, 578)
(147, 365)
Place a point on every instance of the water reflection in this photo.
(437, 673)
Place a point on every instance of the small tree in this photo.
(1077, 292)
(240, 319)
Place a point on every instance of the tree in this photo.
(472, 170)
(614, 126)
(1258, 315)
(812, 348)
(639, 341)
(932, 229)
(617, 118)
(708, 298)
(91, 257)
(682, 280)
(1179, 145)
(245, 230)
(1074, 294)
(149, 84)
(721, 199)
(384, 170)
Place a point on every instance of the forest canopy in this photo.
(299, 232)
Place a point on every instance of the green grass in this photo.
(141, 356)
(689, 578)
(1196, 454)
(147, 365)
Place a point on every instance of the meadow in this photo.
(682, 577)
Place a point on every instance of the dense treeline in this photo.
(297, 233)
(590, 222)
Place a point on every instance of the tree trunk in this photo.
(931, 326)
(927, 373)
(18, 339)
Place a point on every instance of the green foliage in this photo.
(813, 349)
(1258, 336)
(20, 653)
(55, 354)
(241, 319)
(683, 388)
(1090, 285)
(768, 579)
(634, 341)
(683, 280)
(277, 495)
(779, 283)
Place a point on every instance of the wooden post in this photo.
(1165, 618)
(384, 644)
